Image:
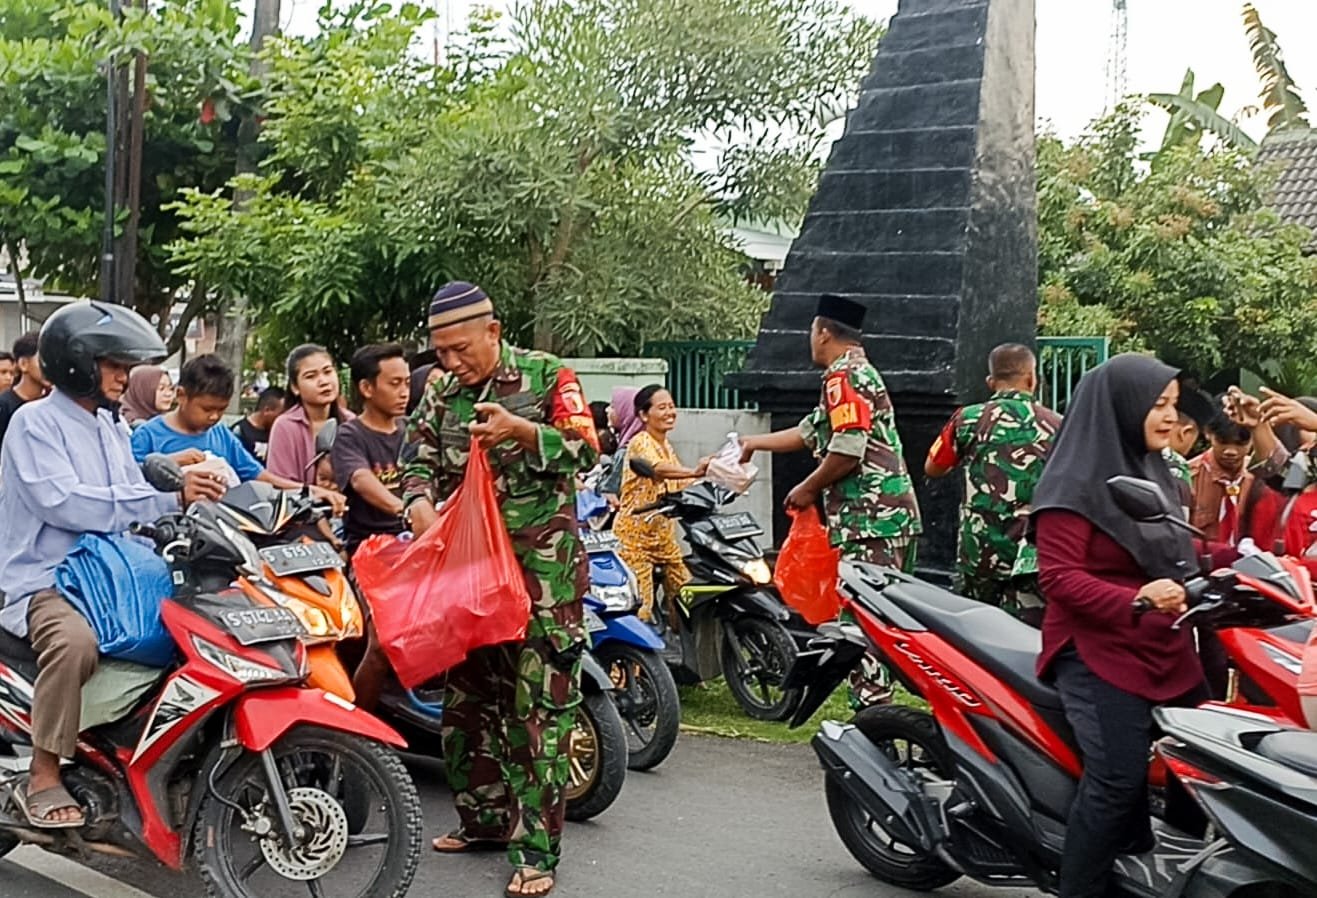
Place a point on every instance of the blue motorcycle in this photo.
(631, 652)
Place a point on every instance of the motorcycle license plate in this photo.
(301, 558)
(736, 526)
(600, 541)
(251, 626)
(593, 622)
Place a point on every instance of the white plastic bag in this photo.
(216, 465)
(725, 468)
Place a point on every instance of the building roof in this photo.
(1294, 154)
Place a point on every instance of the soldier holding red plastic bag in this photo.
(509, 708)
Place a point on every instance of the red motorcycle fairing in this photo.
(261, 718)
(927, 666)
(1271, 661)
(187, 699)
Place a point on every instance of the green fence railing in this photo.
(1062, 361)
(698, 369)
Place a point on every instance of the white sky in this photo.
(1164, 38)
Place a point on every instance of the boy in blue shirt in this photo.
(205, 387)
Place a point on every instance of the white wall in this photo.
(599, 376)
(702, 432)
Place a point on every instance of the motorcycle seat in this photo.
(1293, 748)
(18, 654)
(1005, 646)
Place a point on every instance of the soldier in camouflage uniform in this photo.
(509, 709)
(1001, 445)
(1195, 409)
(869, 499)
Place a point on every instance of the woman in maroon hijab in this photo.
(1111, 665)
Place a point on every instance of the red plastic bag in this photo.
(456, 588)
(806, 570)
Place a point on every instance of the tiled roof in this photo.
(1295, 157)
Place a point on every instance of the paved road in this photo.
(721, 818)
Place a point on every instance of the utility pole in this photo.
(231, 344)
(112, 74)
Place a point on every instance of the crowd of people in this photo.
(86, 401)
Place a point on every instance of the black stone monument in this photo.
(925, 213)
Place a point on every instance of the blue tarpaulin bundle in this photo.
(118, 584)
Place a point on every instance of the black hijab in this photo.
(1102, 436)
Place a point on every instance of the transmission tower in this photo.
(1116, 77)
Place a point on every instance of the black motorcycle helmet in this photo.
(80, 334)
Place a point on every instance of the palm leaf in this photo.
(1205, 117)
(1279, 94)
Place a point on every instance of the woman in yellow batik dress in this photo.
(650, 540)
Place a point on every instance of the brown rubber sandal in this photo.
(456, 842)
(524, 876)
(40, 805)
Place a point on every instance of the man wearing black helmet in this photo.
(67, 468)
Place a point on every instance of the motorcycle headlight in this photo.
(241, 669)
(616, 598)
(756, 571)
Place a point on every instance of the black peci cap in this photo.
(841, 310)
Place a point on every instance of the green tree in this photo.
(52, 133)
(1182, 257)
(575, 167)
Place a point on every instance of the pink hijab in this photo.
(624, 413)
(138, 403)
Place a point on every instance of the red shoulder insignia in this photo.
(570, 411)
(847, 409)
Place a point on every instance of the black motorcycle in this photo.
(728, 620)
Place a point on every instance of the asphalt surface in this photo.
(720, 818)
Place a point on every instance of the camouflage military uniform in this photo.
(509, 709)
(1184, 476)
(1001, 445)
(872, 512)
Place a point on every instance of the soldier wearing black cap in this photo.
(867, 493)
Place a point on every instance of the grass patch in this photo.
(709, 708)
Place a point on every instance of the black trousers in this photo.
(1114, 729)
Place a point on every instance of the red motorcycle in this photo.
(270, 787)
(982, 786)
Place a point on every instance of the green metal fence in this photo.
(697, 369)
(1062, 361)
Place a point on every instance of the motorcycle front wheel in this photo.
(756, 655)
(368, 849)
(598, 758)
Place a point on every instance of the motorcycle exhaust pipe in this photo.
(882, 788)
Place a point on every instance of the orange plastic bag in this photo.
(806, 571)
(455, 588)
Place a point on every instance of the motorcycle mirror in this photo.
(1141, 499)
(324, 445)
(642, 468)
(325, 439)
(1296, 473)
(162, 472)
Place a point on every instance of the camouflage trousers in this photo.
(507, 729)
(870, 684)
(1017, 596)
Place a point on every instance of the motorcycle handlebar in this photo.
(1194, 590)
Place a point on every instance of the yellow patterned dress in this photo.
(650, 541)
